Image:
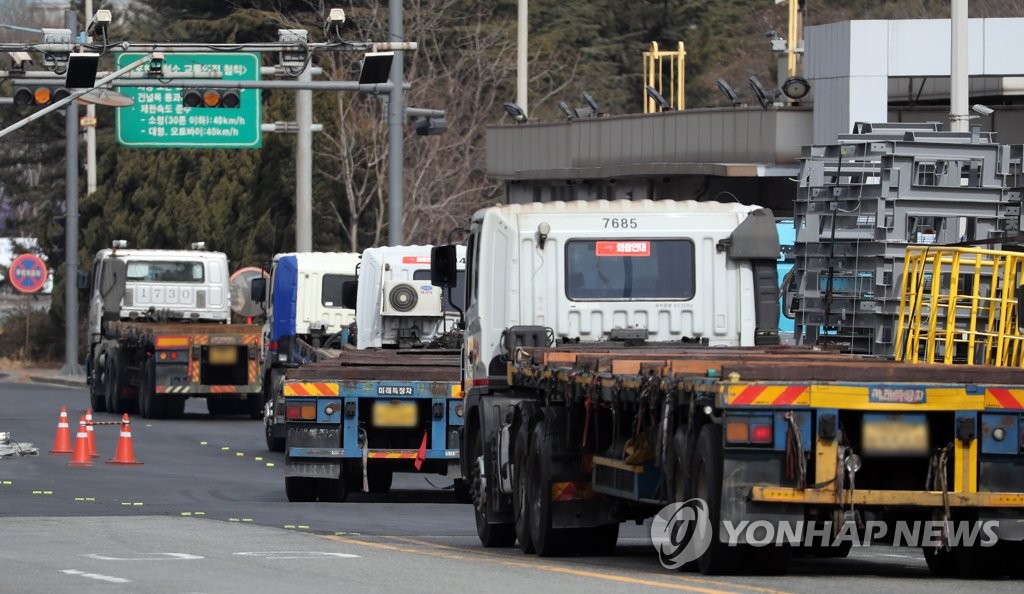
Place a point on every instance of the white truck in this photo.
(394, 403)
(305, 322)
(622, 361)
(160, 332)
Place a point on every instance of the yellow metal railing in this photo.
(666, 72)
(959, 305)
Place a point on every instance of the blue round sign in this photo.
(28, 273)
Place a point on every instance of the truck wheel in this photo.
(254, 406)
(491, 535)
(332, 490)
(547, 541)
(97, 395)
(599, 541)
(379, 478)
(112, 381)
(707, 477)
(274, 444)
(174, 405)
(300, 489)
(150, 405)
(462, 491)
(520, 497)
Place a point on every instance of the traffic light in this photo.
(229, 98)
(28, 92)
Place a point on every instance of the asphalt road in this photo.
(206, 512)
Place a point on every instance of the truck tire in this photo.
(151, 405)
(113, 382)
(547, 541)
(379, 478)
(941, 563)
(331, 490)
(300, 489)
(491, 535)
(174, 405)
(271, 385)
(707, 478)
(520, 496)
(254, 406)
(97, 393)
(462, 491)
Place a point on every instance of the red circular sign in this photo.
(28, 273)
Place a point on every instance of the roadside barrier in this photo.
(81, 456)
(62, 441)
(125, 453)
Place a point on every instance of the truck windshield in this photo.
(164, 272)
(453, 300)
(647, 269)
(330, 289)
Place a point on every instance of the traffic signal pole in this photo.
(71, 366)
(304, 164)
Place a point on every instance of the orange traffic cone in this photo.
(81, 457)
(62, 441)
(92, 434)
(125, 453)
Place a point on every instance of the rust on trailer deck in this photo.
(405, 365)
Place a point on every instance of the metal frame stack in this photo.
(862, 201)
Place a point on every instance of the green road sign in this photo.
(159, 118)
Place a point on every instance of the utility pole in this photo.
(396, 117)
(522, 32)
(90, 131)
(304, 164)
(959, 119)
(71, 366)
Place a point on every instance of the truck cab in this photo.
(653, 271)
(306, 320)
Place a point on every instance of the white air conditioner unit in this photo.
(411, 298)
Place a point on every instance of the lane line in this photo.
(705, 581)
(537, 566)
(96, 576)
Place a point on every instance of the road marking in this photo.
(96, 576)
(296, 554)
(701, 580)
(147, 557)
(471, 556)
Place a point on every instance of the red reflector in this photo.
(481, 382)
(174, 355)
(273, 345)
(761, 433)
(293, 412)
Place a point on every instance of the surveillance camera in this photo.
(336, 16)
(20, 60)
(982, 109)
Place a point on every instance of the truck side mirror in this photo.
(83, 280)
(349, 294)
(258, 290)
(443, 266)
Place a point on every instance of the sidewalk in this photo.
(42, 375)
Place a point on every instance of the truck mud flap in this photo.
(312, 469)
(743, 470)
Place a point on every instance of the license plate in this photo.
(222, 355)
(394, 414)
(894, 435)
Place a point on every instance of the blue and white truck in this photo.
(305, 322)
(394, 403)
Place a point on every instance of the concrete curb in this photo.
(60, 381)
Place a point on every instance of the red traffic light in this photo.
(210, 98)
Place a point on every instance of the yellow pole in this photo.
(681, 79)
(794, 33)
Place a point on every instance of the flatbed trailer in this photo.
(777, 434)
(354, 420)
(156, 366)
